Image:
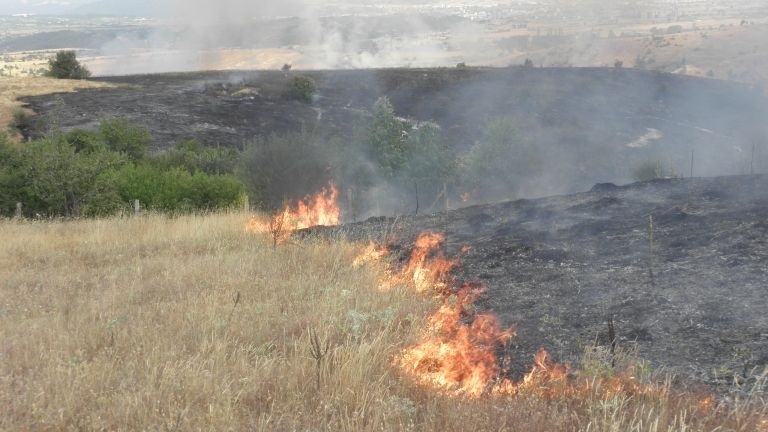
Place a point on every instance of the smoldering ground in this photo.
(580, 126)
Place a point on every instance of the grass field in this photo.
(190, 323)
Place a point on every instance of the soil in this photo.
(558, 269)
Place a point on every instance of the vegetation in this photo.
(190, 323)
(82, 173)
(501, 161)
(177, 190)
(302, 88)
(66, 66)
(120, 136)
(654, 169)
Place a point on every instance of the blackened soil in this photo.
(588, 124)
(693, 301)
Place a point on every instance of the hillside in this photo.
(685, 290)
(590, 125)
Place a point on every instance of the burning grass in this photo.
(321, 209)
(191, 323)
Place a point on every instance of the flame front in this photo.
(321, 209)
(428, 268)
(454, 355)
(459, 350)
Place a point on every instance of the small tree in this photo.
(501, 161)
(66, 66)
(387, 138)
(302, 88)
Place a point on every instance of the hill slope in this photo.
(559, 268)
(589, 125)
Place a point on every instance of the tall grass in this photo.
(190, 323)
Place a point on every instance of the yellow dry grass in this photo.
(13, 88)
(190, 323)
(131, 324)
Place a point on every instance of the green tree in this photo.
(387, 138)
(429, 164)
(500, 162)
(65, 65)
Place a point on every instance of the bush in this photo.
(66, 66)
(281, 167)
(191, 156)
(120, 136)
(51, 179)
(652, 170)
(177, 190)
(84, 141)
(302, 88)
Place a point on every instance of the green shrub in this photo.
(84, 141)
(302, 88)
(651, 170)
(191, 156)
(122, 137)
(177, 190)
(51, 179)
(65, 65)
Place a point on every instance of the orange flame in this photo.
(428, 268)
(321, 209)
(372, 253)
(458, 352)
(456, 356)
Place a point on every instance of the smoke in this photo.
(588, 127)
(309, 34)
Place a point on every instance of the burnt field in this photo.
(558, 269)
(590, 125)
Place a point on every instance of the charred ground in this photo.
(590, 124)
(557, 269)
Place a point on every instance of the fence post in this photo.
(247, 204)
(19, 211)
(445, 195)
(136, 207)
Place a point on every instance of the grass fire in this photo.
(322, 209)
(384, 216)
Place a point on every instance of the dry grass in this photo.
(190, 323)
(11, 89)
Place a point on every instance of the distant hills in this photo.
(119, 8)
(81, 7)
